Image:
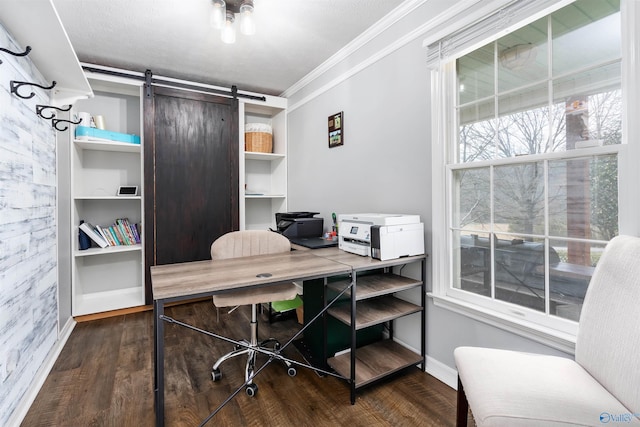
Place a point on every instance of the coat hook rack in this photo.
(54, 123)
(15, 85)
(25, 53)
(40, 108)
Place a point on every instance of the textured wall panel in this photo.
(28, 253)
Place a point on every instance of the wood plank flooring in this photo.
(104, 377)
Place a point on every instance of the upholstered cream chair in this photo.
(602, 385)
(247, 243)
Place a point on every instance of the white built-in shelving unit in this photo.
(263, 176)
(110, 278)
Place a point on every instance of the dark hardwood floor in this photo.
(104, 377)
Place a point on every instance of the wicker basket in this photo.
(258, 138)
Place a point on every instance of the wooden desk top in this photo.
(200, 278)
(358, 262)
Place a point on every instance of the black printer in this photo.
(299, 224)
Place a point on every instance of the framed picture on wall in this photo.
(336, 130)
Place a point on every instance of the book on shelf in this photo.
(125, 228)
(94, 234)
(120, 233)
(105, 235)
(121, 238)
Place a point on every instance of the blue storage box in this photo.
(86, 133)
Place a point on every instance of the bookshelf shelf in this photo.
(108, 146)
(265, 196)
(251, 155)
(122, 198)
(94, 302)
(108, 250)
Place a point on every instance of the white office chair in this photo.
(247, 243)
(602, 385)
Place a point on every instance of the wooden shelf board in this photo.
(376, 285)
(107, 198)
(375, 361)
(264, 196)
(252, 155)
(116, 299)
(108, 250)
(123, 147)
(374, 311)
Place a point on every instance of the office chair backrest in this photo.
(249, 242)
(608, 341)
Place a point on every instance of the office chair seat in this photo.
(247, 243)
(283, 292)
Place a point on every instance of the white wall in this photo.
(28, 252)
(383, 89)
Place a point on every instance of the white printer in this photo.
(381, 236)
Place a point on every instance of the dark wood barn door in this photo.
(191, 174)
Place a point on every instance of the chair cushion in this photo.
(285, 291)
(509, 388)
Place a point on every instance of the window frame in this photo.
(553, 331)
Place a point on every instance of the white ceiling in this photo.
(173, 38)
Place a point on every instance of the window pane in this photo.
(519, 198)
(524, 123)
(585, 33)
(522, 56)
(571, 266)
(519, 272)
(475, 75)
(472, 262)
(583, 197)
(477, 132)
(471, 208)
(592, 101)
(594, 80)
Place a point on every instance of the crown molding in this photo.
(372, 32)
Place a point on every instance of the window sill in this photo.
(555, 339)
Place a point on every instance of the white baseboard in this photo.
(29, 397)
(443, 372)
(435, 368)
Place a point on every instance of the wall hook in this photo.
(16, 84)
(25, 53)
(40, 108)
(54, 123)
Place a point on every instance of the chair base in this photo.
(251, 349)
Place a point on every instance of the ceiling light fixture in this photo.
(223, 18)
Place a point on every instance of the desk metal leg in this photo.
(423, 336)
(158, 342)
(353, 338)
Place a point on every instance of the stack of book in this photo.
(120, 233)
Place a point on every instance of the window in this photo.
(532, 132)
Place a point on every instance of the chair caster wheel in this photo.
(291, 371)
(276, 346)
(251, 390)
(216, 375)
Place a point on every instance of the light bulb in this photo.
(247, 24)
(228, 33)
(218, 14)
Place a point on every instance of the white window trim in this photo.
(629, 202)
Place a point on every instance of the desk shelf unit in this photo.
(263, 176)
(109, 278)
(374, 303)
